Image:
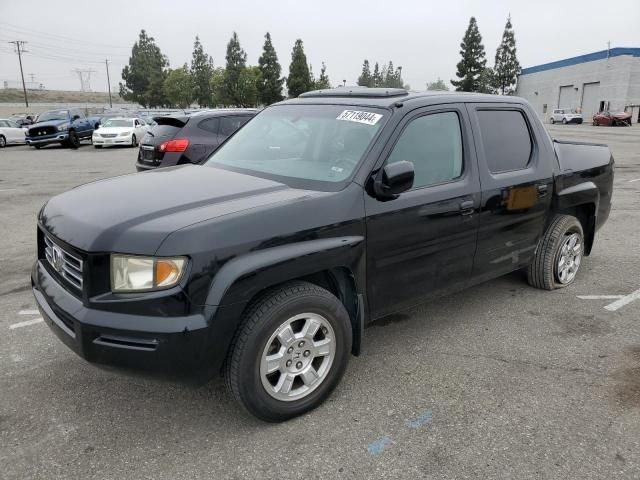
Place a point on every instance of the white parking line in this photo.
(26, 323)
(29, 312)
(612, 307)
(599, 297)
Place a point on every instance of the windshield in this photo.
(317, 143)
(54, 115)
(118, 123)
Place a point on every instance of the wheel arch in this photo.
(581, 201)
(335, 264)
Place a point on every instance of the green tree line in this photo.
(149, 81)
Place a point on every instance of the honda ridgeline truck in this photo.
(321, 215)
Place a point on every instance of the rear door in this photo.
(423, 241)
(516, 178)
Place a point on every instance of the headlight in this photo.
(64, 126)
(126, 134)
(134, 274)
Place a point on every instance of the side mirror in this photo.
(394, 179)
(75, 117)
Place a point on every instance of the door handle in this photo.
(542, 188)
(467, 207)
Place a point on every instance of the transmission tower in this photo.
(85, 78)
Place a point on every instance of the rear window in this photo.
(210, 125)
(505, 140)
(165, 130)
(228, 125)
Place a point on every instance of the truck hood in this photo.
(51, 123)
(135, 213)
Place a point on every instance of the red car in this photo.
(612, 119)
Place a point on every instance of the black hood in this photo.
(135, 213)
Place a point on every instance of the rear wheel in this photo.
(559, 254)
(97, 146)
(134, 141)
(37, 147)
(552, 121)
(3, 141)
(595, 123)
(564, 121)
(290, 351)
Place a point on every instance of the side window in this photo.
(434, 144)
(228, 125)
(3, 123)
(210, 125)
(505, 139)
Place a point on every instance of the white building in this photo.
(599, 81)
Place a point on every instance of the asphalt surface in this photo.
(499, 381)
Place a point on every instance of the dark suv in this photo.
(322, 214)
(179, 139)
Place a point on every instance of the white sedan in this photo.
(119, 131)
(11, 133)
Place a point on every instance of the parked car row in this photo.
(11, 133)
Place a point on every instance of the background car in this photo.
(119, 131)
(11, 133)
(612, 119)
(566, 115)
(179, 139)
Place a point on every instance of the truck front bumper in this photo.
(170, 346)
(47, 139)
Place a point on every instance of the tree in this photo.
(248, 87)
(486, 81)
(365, 79)
(473, 59)
(376, 78)
(201, 70)
(299, 79)
(216, 83)
(236, 62)
(507, 67)
(269, 83)
(179, 87)
(437, 85)
(323, 80)
(145, 74)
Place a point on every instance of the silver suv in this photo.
(566, 115)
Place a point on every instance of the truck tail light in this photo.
(177, 145)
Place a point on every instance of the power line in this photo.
(20, 46)
(30, 31)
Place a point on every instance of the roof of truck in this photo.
(388, 97)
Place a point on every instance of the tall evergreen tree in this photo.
(437, 85)
(201, 70)
(270, 82)
(507, 67)
(179, 87)
(365, 79)
(145, 74)
(323, 80)
(473, 59)
(236, 62)
(376, 78)
(299, 79)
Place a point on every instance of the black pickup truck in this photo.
(322, 214)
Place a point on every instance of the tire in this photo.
(37, 147)
(552, 121)
(595, 123)
(97, 146)
(296, 305)
(564, 121)
(74, 140)
(545, 270)
(134, 141)
(3, 141)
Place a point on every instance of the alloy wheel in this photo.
(569, 258)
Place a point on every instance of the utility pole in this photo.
(106, 62)
(20, 47)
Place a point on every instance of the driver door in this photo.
(423, 242)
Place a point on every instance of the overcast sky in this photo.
(421, 36)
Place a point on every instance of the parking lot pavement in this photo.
(500, 381)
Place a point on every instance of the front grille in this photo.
(108, 135)
(40, 131)
(68, 266)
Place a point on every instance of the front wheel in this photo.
(564, 121)
(552, 121)
(595, 123)
(290, 351)
(3, 141)
(134, 141)
(74, 140)
(559, 254)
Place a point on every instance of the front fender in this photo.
(241, 278)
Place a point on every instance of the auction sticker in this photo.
(359, 117)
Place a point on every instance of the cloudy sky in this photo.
(421, 36)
